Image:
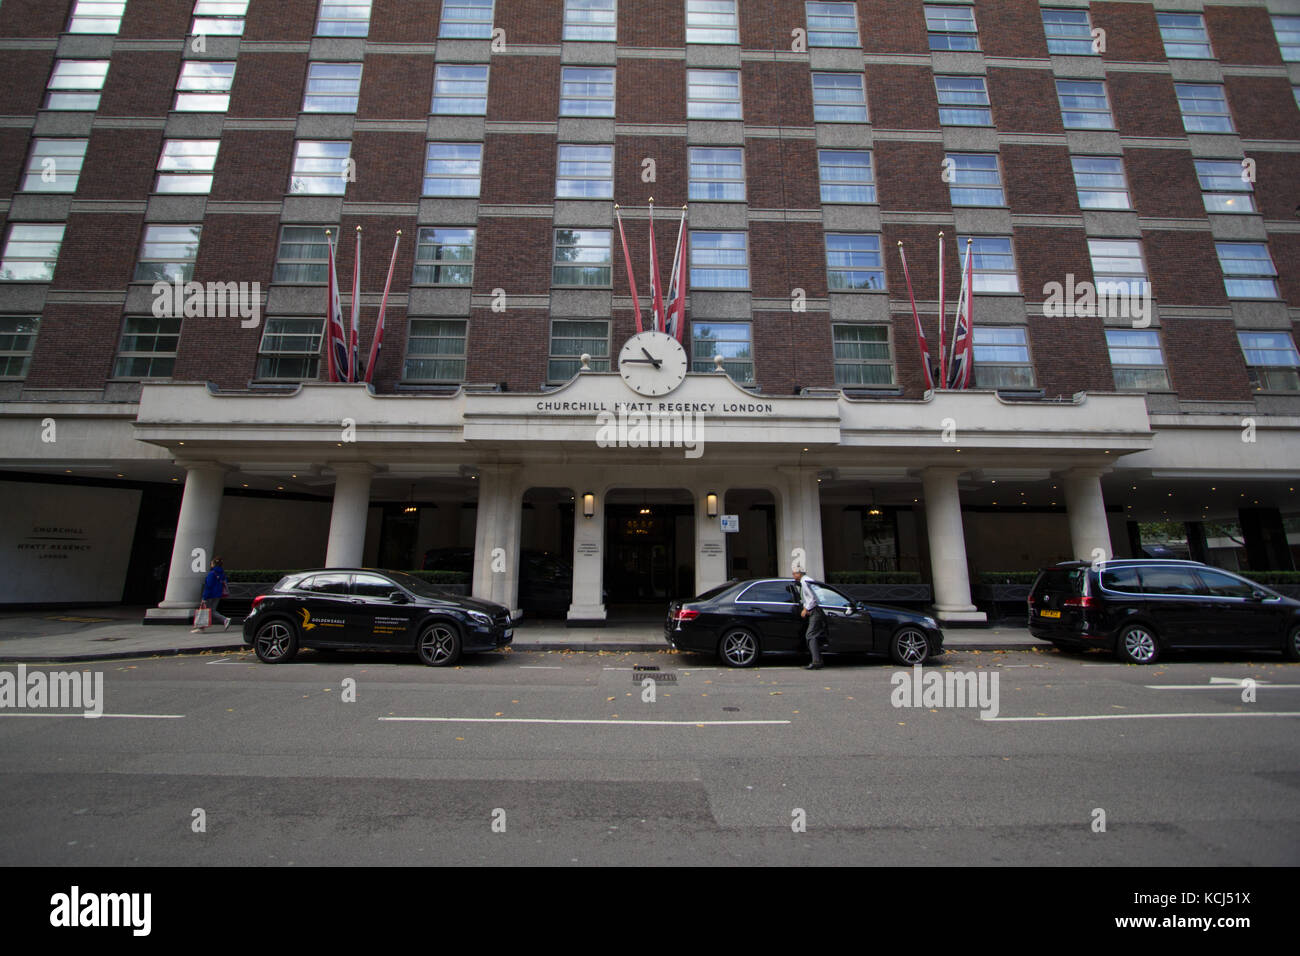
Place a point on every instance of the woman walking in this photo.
(214, 589)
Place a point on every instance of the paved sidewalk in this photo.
(89, 634)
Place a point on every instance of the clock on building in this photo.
(652, 363)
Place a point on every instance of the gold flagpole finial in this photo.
(399, 232)
(615, 205)
(941, 234)
(652, 200)
(358, 228)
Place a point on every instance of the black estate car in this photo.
(1141, 607)
(361, 609)
(742, 620)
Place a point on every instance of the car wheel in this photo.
(739, 649)
(439, 645)
(1137, 644)
(909, 646)
(1292, 649)
(276, 642)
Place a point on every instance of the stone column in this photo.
(799, 522)
(710, 541)
(496, 536)
(196, 534)
(347, 540)
(1086, 509)
(588, 607)
(951, 576)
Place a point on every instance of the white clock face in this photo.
(652, 363)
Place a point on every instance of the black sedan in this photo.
(359, 609)
(742, 620)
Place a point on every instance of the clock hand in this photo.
(655, 361)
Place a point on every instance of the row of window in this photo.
(583, 258)
(862, 353)
(949, 27)
(461, 90)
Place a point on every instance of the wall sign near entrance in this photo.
(729, 523)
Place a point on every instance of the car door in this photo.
(374, 619)
(1174, 604)
(1234, 617)
(849, 626)
(772, 608)
(325, 608)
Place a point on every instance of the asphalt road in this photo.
(533, 758)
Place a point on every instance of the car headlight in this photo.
(478, 617)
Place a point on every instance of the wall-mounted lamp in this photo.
(711, 504)
(588, 504)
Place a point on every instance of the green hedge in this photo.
(243, 575)
(874, 577)
(1272, 577)
(1006, 577)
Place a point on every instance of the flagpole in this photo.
(956, 321)
(383, 307)
(943, 367)
(331, 297)
(657, 294)
(675, 284)
(920, 332)
(627, 262)
(354, 359)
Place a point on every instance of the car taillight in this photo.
(1031, 600)
(258, 600)
(685, 614)
(1083, 600)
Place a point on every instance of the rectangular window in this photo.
(1204, 108)
(290, 349)
(862, 355)
(854, 262)
(1248, 271)
(587, 91)
(148, 347)
(54, 165)
(832, 24)
(219, 18)
(96, 16)
(1001, 358)
(716, 175)
(731, 340)
(31, 252)
(1117, 267)
(719, 260)
(846, 176)
(1184, 36)
(1084, 104)
(76, 84)
(1223, 187)
(711, 21)
(1136, 360)
(582, 258)
(435, 351)
(444, 256)
(466, 20)
(17, 340)
(460, 90)
(303, 256)
(168, 253)
(204, 87)
(713, 94)
(343, 18)
(592, 20)
(332, 88)
(453, 169)
(976, 180)
(186, 165)
(993, 264)
(320, 168)
(1069, 32)
(951, 28)
(1100, 182)
(839, 98)
(1287, 30)
(585, 172)
(1271, 360)
(963, 101)
(570, 340)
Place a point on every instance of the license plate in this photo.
(1049, 613)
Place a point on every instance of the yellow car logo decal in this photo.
(307, 625)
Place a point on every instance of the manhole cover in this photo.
(731, 709)
(102, 640)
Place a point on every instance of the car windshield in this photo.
(417, 585)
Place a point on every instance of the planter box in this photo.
(1002, 593)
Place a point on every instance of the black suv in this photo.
(1141, 607)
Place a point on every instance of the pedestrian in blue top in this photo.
(214, 589)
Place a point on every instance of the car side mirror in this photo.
(398, 597)
(1257, 595)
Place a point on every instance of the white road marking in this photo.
(98, 716)
(1235, 685)
(540, 667)
(1271, 713)
(557, 720)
